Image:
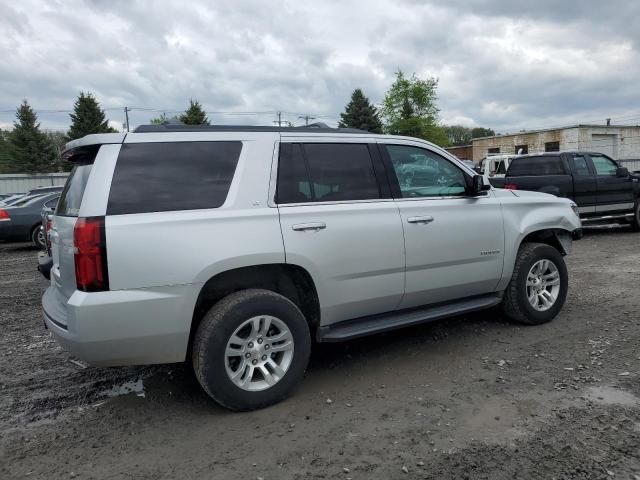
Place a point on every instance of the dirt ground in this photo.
(473, 397)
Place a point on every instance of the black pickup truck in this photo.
(603, 190)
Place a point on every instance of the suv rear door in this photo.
(454, 243)
(339, 222)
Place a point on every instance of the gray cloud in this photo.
(504, 64)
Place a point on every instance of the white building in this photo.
(620, 142)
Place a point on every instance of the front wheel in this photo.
(251, 349)
(538, 287)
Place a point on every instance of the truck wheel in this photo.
(538, 287)
(635, 223)
(251, 349)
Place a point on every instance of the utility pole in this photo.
(307, 118)
(126, 116)
(279, 121)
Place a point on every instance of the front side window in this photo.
(169, 176)
(325, 172)
(604, 165)
(422, 173)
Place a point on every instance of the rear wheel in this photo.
(251, 349)
(635, 223)
(538, 287)
(38, 237)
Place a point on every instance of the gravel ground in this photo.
(472, 397)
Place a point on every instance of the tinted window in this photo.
(161, 177)
(73, 191)
(325, 172)
(604, 165)
(293, 178)
(422, 173)
(581, 165)
(532, 166)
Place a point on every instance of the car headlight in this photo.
(574, 207)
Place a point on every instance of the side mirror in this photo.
(478, 186)
(622, 172)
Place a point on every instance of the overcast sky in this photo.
(506, 64)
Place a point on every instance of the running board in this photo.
(607, 217)
(363, 326)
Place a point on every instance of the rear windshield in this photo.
(169, 176)
(534, 166)
(71, 196)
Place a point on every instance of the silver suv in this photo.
(234, 247)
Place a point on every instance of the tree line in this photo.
(409, 108)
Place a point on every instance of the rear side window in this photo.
(325, 172)
(73, 191)
(534, 166)
(162, 177)
(580, 162)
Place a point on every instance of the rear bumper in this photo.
(125, 327)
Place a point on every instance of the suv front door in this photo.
(340, 223)
(454, 243)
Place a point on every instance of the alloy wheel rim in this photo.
(543, 285)
(259, 353)
(40, 237)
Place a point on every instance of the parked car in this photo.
(22, 222)
(603, 190)
(17, 198)
(45, 261)
(4, 196)
(233, 247)
(496, 165)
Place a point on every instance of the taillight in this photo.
(90, 254)
(4, 215)
(47, 235)
(510, 186)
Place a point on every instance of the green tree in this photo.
(159, 120)
(482, 132)
(30, 149)
(409, 108)
(458, 135)
(87, 118)
(58, 140)
(194, 115)
(5, 152)
(359, 113)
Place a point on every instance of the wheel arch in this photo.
(558, 238)
(291, 281)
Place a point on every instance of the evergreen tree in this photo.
(359, 113)
(5, 152)
(30, 149)
(194, 115)
(87, 118)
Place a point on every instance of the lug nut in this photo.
(264, 357)
(247, 355)
(260, 340)
(254, 361)
(250, 345)
(267, 347)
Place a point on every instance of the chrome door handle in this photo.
(420, 219)
(309, 226)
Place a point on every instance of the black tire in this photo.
(35, 233)
(515, 304)
(217, 327)
(635, 223)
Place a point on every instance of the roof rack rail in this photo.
(314, 127)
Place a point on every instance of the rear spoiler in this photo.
(95, 139)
